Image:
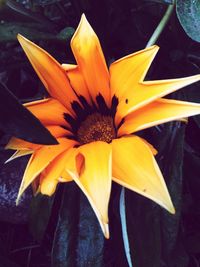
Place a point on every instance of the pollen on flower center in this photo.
(96, 127)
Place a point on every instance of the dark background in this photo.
(63, 230)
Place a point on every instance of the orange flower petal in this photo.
(128, 71)
(48, 111)
(19, 153)
(77, 81)
(93, 176)
(40, 159)
(152, 148)
(65, 177)
(157, 112)
(134, 167)
(70, 166)
(51, 174)
(89, 56)
(58, 131)
(50, 72)
(19, 144)
(146, 92)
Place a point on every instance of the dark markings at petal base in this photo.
(87, 117)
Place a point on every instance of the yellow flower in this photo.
(94, 112)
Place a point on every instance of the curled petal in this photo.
(50, 177)
(93, 176)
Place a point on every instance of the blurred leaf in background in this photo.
(188, 13)
(16, 120)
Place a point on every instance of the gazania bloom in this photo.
(95, 113)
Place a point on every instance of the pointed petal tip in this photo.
(165, 201)
(17, 200)
(172, 209)
(24, 42)
(105, 229)
(84, 19)
(83, 16)
(8, 160)
(84, 28)
(21, 38)
(155, 47)
(169, 206)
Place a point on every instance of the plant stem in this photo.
(160, 26)
(122, 210)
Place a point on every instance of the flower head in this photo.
(95, 113)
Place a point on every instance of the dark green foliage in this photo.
(144, 230)
(90, 245)
(78, 240)
(40, 211)
(169, 2)
(16, 120)
(188, 12)
(150, 228)
(8, 32)
(173, 252)
(65, 239)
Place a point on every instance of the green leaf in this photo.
(33, 31)
(66, 34)
(40, 211)
(17, 121)
(9, 31)
(44, 2)
(173, 253)
(163, 1)
(35, 16)
(65, 237)
(192, 174)
(192, 200)
(90, 245)
(143, 230)
(78, 239)
(193, 95)
(188, 12)
(151, 228)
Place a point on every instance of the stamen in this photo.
(96, 127)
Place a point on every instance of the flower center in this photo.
(96, 127)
